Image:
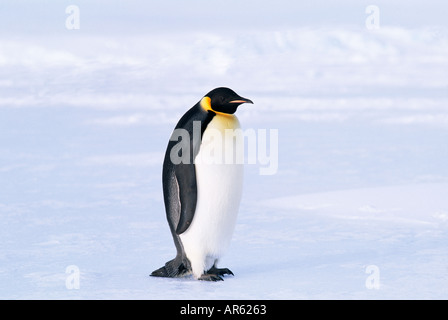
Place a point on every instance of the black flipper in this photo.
(186, 179)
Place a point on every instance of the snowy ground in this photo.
(360, 197)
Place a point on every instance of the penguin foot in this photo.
(215, 274)
(210, 277)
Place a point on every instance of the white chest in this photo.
(219, 180)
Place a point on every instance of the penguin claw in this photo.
(224, 271)
(220, 271)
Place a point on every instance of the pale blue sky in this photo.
(132, 16)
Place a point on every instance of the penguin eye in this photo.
(218, 101)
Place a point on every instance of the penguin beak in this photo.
(241, 100)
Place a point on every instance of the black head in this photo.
(223, 100)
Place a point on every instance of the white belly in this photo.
(219, 193)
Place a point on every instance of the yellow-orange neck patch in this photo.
(206, 104)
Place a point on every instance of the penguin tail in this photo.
(171, 269)
(161, 272)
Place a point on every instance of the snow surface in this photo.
(362, 180)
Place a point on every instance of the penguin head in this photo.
(222, 100)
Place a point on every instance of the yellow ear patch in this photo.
(206, 104)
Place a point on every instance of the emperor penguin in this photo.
(201, 187)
